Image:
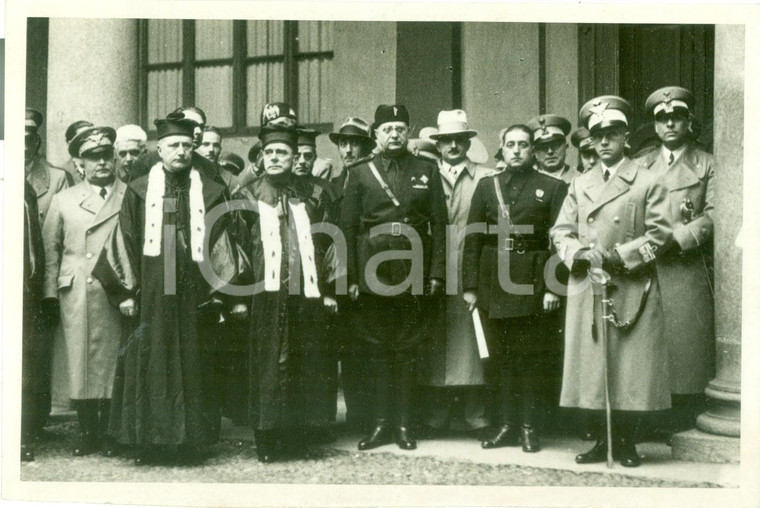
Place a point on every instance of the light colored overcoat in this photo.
(687, 299)
(46, 180)
(629, 214)
(77, 225)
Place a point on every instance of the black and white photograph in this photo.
(380, 254)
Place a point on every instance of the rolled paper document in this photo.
(480, 337)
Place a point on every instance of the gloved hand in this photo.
(613, 263)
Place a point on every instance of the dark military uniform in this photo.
(514, 324)
(392, 326)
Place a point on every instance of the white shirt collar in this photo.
(676, 153)
(96, 188)
(613, 169)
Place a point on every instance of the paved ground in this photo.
(456, 460)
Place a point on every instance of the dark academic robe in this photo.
(291, 358)
(165, 389)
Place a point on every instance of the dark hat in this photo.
(605, 111)
(92, 140)
(394, 113)
(232, 162)
(75, 128)
(307, 137)
(253, 152)
(643, 136)
(275, 110)
(581, 139)
(276, 134)
(33, 120)
(548, 128)
(666, 99)
(353, 127)
(174, 125)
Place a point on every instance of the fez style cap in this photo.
(91, 140)
(394, 113)
(453, 123)
(605, 111)
(275, 110)
(666, 99)
(274, 134)
(33, 120)
(581, 139)
(548, 128)
(353, 127)
(307, 137)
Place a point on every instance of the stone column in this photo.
(92, 75)
(716, 437)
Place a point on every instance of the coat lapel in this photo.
(39, 178)
(686, 171)
(112, 204)
(594, 183)
(619, 184)
(88, 200)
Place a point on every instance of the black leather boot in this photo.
(87, 411)
(530, 441)
(625, 445)
(596, 454)
(404, 438)
(506, 435)
(381, 435)
(108, 446)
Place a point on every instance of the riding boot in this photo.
(87, 412)
(382, 432)
(596, 425)
(108, 445)
(625, 428)
(404, 384)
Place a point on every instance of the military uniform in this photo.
(514, 320)
(392, 324)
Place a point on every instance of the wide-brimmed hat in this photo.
(356, 128)
(426, 146)
(453, 123)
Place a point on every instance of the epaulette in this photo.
(363, 160)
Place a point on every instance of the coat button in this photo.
(590, 220)
(616, 219)
(592, 245)
(89, 255)
(89, 280)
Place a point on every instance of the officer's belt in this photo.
(421, 229)
(510, 243)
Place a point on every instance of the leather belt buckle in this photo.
(396, 228)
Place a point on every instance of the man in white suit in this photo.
(79, 221)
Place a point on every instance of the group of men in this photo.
(436, 283)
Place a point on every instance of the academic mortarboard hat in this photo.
(307, 137)
(33, 120)
(581, 139)
(75, 128)
(232, 162)
(353, 127)
(453, 123)
(92, 140)
(548, 128)
(667, 99)
(276, 134)
(394, 113)
(275, 110)
(174, 125)
(605, 111)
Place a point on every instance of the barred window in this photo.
(231, 69)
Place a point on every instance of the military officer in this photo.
(684, 272)
(615, 217)
(79, 221)
(550, 146)
(496, 270)
(450, 363)
(72, 130)
(581, 140)
(394, 220)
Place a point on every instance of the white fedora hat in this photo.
(452, 123)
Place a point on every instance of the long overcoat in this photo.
(683, 272)
(46, 180)
(629, 214)
(77, 226)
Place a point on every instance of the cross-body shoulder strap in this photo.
(382, 183)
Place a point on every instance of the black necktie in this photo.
(103, 192)
(606, 174)
(671, 159)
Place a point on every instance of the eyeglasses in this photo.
(399, 129)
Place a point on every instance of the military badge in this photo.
(647, 252)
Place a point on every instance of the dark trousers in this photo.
(355, 372)
(517, 367)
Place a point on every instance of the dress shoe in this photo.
(266, 443)
(381, 435)
(626, 453)
(403, 438)
(87, 444)
(27, 453)
(530, 441)
(505, 436)
(596, 454)
(108, 447)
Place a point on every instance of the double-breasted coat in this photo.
(78, 223)
(46, 180)
(450, 356)
(629, 214)
(683, 272)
